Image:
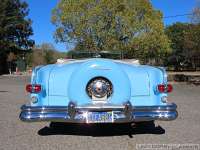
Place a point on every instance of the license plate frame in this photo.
(100, 117)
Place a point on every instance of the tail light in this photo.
(169, 88)
(33, 88)
(164, 88)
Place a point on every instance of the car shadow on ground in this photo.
(100, 130)
(3, 91)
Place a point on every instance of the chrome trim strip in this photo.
(35, 73)
(72, 113)
(164, 74)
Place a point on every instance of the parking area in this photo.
(35, 136)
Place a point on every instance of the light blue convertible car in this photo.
(98, 90)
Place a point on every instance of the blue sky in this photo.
(40, 14)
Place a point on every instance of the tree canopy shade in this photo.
(129, 25)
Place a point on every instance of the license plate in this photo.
(100, 117)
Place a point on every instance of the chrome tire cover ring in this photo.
(99, 87)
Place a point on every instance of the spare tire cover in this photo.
(99, 68)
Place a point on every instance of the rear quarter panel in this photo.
(140, 96)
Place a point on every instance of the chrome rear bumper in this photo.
(76, 114)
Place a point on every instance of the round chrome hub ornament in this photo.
(99, 87)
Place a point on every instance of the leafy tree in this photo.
(46, 46)
(35, 58)
(192, 45)
(129, 25)
(15, 28)
(176, 33)
(185, 42)
(48, 52)
(43, 54)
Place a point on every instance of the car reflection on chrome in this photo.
(98, 91)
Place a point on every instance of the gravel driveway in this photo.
(15, 134)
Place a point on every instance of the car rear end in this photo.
(98, 91)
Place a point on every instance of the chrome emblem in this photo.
(99, 87)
